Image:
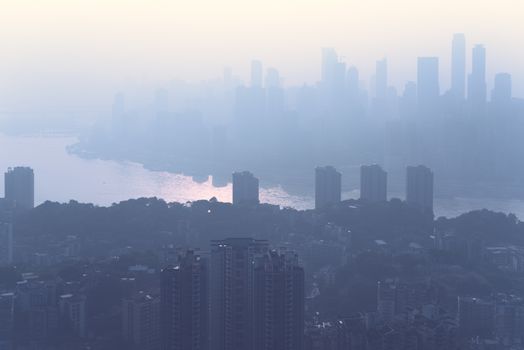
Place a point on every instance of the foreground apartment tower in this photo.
(232, 292)
(328, 186)
(419, 187)
(245, 188)
(184, 304)
(279, 302)
(7, 320)
(19, 185)
(140, 321)
(73, 313)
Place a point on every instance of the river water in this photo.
(61, 176)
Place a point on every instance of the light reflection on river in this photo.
(60, 176)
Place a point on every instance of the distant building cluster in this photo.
(408, 316)
(45, 309)
(343, 120)
(498, 320)
(328, 187)
(239, 295)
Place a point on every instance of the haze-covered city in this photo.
(278, 175)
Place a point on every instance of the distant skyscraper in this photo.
(458, 66)
(477, 80)
(256, 74)
(328, 186)
(373, 183)
(184, 304)
(501, 94)
(392, 102)
(6, 243)
(245, 188)
(141, 322)
(250, 105)
(338, 83)
(352, 83)
(381, 79)
(333, 80)
(272, 78)
(20, 187)
(419, 187)
(428, 88)
(232, 292)
(329, 61)
(279, 302)
(408, 101)
(275, 99)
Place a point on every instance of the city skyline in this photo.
(92, 103)
(261, 175)
(90, 56)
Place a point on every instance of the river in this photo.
(61, 176)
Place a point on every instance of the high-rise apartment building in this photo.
(245, 188)
(36, 303)
(7, 320)
(141, 321)
(328, 186)
(184, 304)
(279, 302)
(232, 315)
(73, 313)
(373, 183)
(20, 187)
(419, 187)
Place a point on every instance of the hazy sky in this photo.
(83, 50)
